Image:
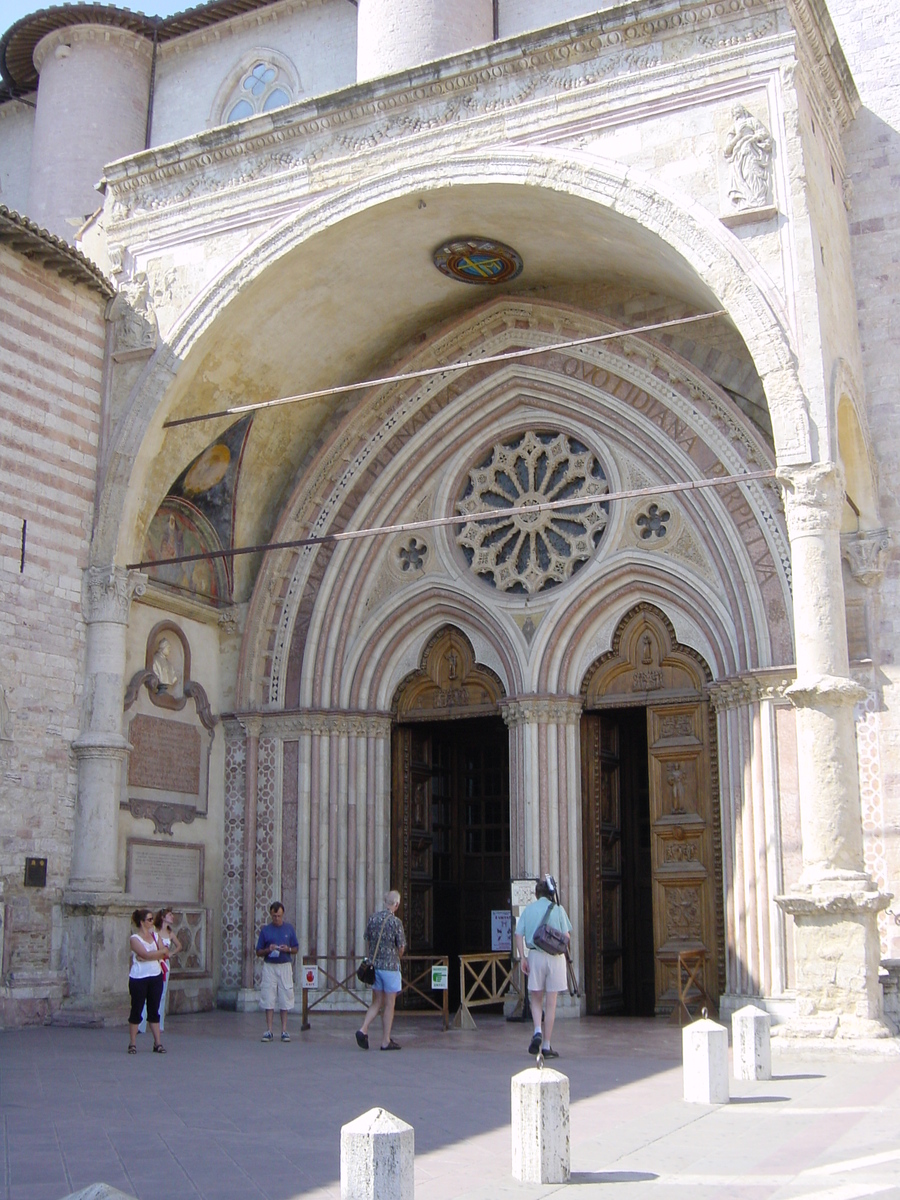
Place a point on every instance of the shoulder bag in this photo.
(548, 939)
(365, 972)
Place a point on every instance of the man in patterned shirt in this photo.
(385, 942)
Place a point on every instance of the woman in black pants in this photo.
(145, 980)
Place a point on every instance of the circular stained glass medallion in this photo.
(478, 260)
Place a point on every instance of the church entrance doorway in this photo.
(450, 834)
(450, 802)
(652, 849)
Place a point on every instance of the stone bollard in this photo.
(377, 1157)
(705, 1056)
(540, 1126)
(751, 1042)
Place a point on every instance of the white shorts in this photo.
(546, 972)
(277, 988)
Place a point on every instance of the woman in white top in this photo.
(164, 935)
(145, 980)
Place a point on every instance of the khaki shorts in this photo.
(546, 972)
(277, 988)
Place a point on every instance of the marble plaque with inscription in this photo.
(169, 761)
(164, 874)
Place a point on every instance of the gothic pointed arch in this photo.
(448, 682)
(645, 658)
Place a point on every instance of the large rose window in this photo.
(530, 552)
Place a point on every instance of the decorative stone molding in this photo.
(825, 691)
(813, 498)
(325, 722)
(107, 593)
(864, 552)
(164, 816)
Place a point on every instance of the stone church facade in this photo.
(384, 267)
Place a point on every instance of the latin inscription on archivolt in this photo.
(167, 755)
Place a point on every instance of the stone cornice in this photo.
(829, 67)
(500, 82)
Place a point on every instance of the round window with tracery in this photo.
(529, 552)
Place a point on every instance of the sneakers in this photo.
(285, 1037)
(535, 1044)
(549, 1052)
(268, 1036)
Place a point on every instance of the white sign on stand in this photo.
(309, 976)
(501, 929)
(439, 977)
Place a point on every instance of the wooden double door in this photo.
(649, 837)
(450, 833)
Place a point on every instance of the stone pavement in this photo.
(224, 1117)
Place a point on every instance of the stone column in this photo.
(96, 909)
(545, 800)
(101, 748)
(835, 903)
(751, 833)
(394, 35)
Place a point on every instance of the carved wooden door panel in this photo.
(412, 841)
(603, 915)
(682, 843)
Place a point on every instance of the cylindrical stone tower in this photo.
(91, 109)
(393, 35)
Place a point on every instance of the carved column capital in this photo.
(107, 592)
(813, 498)
(864, 552)
(531, 710)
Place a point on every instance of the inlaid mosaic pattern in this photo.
(266, 788)
(872, 806)
(233, 872)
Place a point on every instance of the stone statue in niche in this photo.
(163, 667)
(749, 148)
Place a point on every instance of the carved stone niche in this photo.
(168, 768)
(448, 683)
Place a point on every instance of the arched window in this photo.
(258, 84)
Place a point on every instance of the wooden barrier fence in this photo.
(484, 979)
(415, 969)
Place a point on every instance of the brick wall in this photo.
(51, 363)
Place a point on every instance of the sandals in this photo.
(392, 1045)
(362, 1040)
(159, 1048)
(132, 1049)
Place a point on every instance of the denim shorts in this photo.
(387, 981)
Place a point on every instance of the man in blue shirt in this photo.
(546, 973)
(276, 946)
